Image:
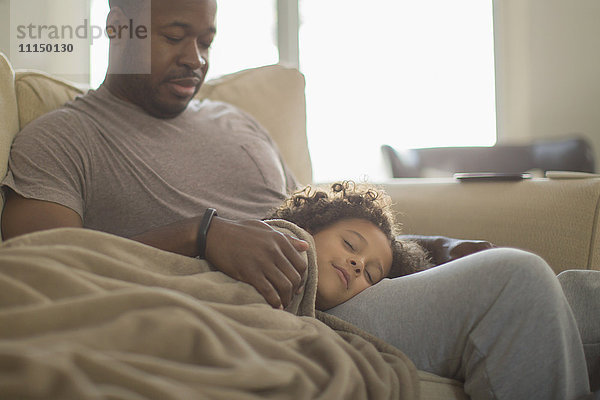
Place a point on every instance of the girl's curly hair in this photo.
(314, 209)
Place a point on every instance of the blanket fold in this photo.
(88, 315)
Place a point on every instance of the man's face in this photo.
(182, 33)
(352, 255)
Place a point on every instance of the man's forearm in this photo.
(179, 237)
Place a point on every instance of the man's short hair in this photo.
(128, 6)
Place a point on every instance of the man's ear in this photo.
(116, 18)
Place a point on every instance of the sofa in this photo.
(556, 218)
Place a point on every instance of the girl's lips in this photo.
(343, 275)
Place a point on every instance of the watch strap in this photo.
(203, 231)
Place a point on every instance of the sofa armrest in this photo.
(556, 219)
(9, 117)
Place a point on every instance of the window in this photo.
(246, 36)
(405, 73)
(99, 48)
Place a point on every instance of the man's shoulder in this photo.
(61, 122)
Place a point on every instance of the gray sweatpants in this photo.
(497, 320)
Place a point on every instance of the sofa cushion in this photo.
(39, 93)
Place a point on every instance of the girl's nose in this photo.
(356, 264)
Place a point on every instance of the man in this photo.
(107, 161)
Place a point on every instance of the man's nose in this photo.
(193, 57)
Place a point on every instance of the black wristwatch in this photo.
(203, 230)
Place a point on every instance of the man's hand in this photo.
(253, 252)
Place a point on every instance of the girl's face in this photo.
(352, 254)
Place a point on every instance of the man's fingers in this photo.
(299, 245)
(290, 271)
(266, 289)
(282, 274)
(281, 283)
(291, 253)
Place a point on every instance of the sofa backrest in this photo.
(39, 93)
(274, 95)
(558, 219)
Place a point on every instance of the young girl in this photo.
(355, 238)
(497, 320)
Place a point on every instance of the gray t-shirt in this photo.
(125, 172)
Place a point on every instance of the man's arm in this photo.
(249, 251)
(22, 215)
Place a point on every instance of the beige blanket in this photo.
(87, 315)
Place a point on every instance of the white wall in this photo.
(548, 63)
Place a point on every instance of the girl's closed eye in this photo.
(349, 245)
(369, 277)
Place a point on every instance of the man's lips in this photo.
(185, 87)
(344, 276)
